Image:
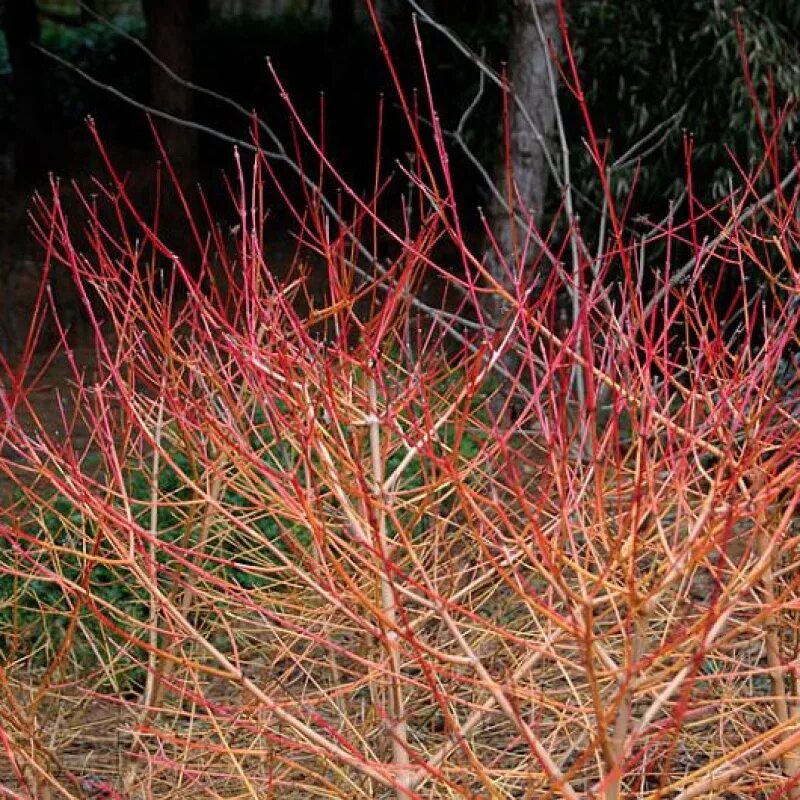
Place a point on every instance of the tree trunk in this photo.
(343, 18)
(21, 24)
(523, 170)
(170, 28)
(88, 10)
(523, 175)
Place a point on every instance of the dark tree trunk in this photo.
(87, 7)
(476, 11)
(343, 18)
(170, 28)
(21, 24)
(529, 171)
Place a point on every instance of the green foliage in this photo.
(644, 62)
(99, 53)
(673, 67)
(68, 98)
(35, 614)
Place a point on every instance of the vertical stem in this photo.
(151, 682)
(397, 723)
(575, 289)
(784, 711)
(622, 723)
(150, 685)
(165, 666)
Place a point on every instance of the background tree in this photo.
(651, 72)
(343, 17)
(523, 171)
(170, 29)
(21, 26)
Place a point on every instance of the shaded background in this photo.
(669, 70)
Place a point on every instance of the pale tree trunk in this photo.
(523, 175)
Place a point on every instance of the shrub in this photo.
(374, 546)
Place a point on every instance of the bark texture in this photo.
(523, 175)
